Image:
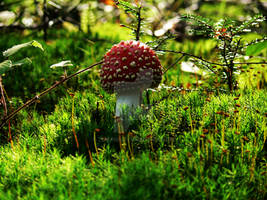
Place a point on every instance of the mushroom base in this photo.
(128, 101)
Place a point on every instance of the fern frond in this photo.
(254, 21)
(201, 21)
(127, 7)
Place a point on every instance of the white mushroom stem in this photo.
(128, 100)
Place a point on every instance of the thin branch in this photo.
(3, 97)
(224, 53)
(45, 23)
(208, 67)
(138, 24)
(237, 46)
(256, 41)
(161, 42)
(250, 63)
(191, 55)
(19, 27)
(172, 65)
(38, 96)
(123, 25)
(200, 58)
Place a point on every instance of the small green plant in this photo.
(8, 64)
(134, 10)
(231, 45)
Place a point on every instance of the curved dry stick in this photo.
(31, 101)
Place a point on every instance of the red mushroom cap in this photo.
(130, 64)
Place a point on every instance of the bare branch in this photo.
(38, 96)
(172, 65)
(191, 55)
(250, 63)
(213, 63)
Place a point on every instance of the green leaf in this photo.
(65, 63)
(37, 44)
(5, 66)
(22, 62)
(256, 48)
(127, 7)
(18, 47)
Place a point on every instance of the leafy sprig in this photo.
(205, 25)
(135, 11)
(246, 25)
(230, 44)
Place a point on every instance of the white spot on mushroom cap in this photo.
(133, 64)
(124, 58)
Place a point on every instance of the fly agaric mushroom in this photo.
(130, 67)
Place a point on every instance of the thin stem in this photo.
(125, 26)
(96, 150)
(31, 101)
(191, 55)
(73, 123)
(138, 24)
(224, 53)
(3, 100)
(213, 63)
(172, 65)
(3, 96)
(237, 47)
(208, 67)
(45, 25)
(250, 63)
(89, 152)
